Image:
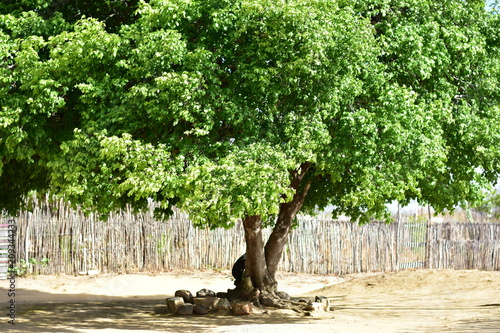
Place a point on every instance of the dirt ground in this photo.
(406, 301)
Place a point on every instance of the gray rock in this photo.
(205, 293)
(186, 309)
(207, 302)
(323, 300)
(186, 295)
(283, 295)
(315, 306)
(174, 303)
(223, 306)
(267, 300)
(201, 310)
(320, 299)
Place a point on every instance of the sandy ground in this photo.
(406, 301)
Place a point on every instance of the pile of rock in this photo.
(206, 301)
(321, 303)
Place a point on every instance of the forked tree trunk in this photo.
(255, 264)
(288, 210)
(278, 238)
(262, 262)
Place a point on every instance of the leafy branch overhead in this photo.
(214, 106)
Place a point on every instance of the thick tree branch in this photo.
(288, 210)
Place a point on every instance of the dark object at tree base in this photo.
(205, 293)
(186, 295)
(222, 295)
(238, 269)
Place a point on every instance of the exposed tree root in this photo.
(278, 300)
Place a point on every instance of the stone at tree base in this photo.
(186, 309)
(325, 301)
(201, 310)
(205, 293)
(232, 294)
(271, 301)
(267, 300)
(283, 295)
(223, 306)
(316, 306)
(186, 295)
(241, 308)
(174, 303)
(222, 295)
(207, 302)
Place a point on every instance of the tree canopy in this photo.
(231, 108)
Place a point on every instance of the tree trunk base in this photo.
(275, 300)
(264, 298)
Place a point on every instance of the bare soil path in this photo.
(406, 301)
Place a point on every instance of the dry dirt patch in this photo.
(406, 301)
(419, 300)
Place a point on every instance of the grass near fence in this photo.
(128, 242)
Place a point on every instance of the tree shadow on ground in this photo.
(144, 313)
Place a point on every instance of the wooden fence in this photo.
(128, 243)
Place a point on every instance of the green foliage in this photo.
(489, 206)
(225, 191)
(25, 268)
(213, 105)
(113, 13)
(163, 245)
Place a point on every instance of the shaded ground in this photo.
(407, 301)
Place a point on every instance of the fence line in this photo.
(137, 242)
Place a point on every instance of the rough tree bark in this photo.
(262, 262)
(276, 242)
(255, 265)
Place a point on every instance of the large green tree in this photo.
(249, 110)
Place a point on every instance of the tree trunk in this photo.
(256, 280)
(258, 285)
(255, 265)
(278, 238)
(262, 262)
(288, 210)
